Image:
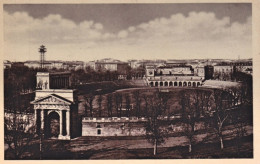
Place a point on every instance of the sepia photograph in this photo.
(128, 81)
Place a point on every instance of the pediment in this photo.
(52, 99)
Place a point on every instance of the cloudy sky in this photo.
(128, 31)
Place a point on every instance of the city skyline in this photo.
(97, 31)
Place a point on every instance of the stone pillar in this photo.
(35, 119)
(35, 116)
(64, 82)
(42, 119)
(60, 112)
(68, 122)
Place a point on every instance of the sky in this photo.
(89, 32)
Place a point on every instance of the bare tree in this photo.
(128, 104)
(208, 100)
(220, 115)
(195, 98)
(137, 97)
(147, 100)
(154, 131)
(18, 134)
(99, 99)
(109, 104)
(183, 102)
(235, 94)
(85, 109)
(89, 100)
(190, 117)
(239, 121)
(203, 102)
(164, 98)
(118, 103)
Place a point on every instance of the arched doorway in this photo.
(189, 84)
(151, 84)
(170, 84)
(175, 84)
(52, 125)
(185, 84)
(180, 84)
(166, 84)
(156, 84)
(194, 84)
(198, 84)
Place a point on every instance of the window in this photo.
(99, 131)
(98, 126)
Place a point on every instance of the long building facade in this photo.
(177, 75)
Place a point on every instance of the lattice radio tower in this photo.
(42, 51)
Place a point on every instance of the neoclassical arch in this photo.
(180, 84)
(198, 83)
(151, 84)
(189, 83)
(194, 84)
(175, 84)
(53, 116)
(156, 84)
(184, 83)
(166, 83)
(170, 83)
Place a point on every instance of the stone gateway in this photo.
(56, 110)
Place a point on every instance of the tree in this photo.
(207, 96)
(147, 101)
(164, 98)
(183, 103)
(238, 118)
(118, 101)
(18, 134)
(109, 104)
(86, 109)
(220, 114)
(155, 133)
(137, 98)
(235, 94)
(18, 83)
(190, 117)
(128, 104)
(89, 102)
(99, 104)
(195, 98)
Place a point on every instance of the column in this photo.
(35, 116)
(36, 120)
(58, 79)
(66, 85)
(64, 82)
(42, 119)
(60, 112)
(61, 82)
(68, 122)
